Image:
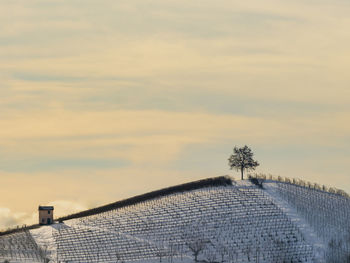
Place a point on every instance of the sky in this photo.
(103, 100)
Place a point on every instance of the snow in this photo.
(327, 215)
(241, 221)
(226, 216)
(45, 240)
(309, 234)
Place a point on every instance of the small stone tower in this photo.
(45, 215)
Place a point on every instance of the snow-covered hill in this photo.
(239, 222)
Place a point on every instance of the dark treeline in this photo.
(216, 181)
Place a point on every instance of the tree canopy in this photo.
(242, 159)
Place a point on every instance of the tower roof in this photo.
(45, 207)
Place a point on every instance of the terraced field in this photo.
(236, 222)
(20, 247)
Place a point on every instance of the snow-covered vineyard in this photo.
(20, 247)
(240, 222)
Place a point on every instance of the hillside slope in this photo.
(324, 217)
(223, 222)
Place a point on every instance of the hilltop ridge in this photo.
(235, 221)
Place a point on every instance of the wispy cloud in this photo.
(9, 219)
(110, 93)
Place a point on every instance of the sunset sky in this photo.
(102, 100)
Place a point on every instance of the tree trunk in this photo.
(242, 172)
(196, 256)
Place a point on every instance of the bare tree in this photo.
(197, 246)
(194, 238)
(242, 159)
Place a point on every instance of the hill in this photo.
(213, 220)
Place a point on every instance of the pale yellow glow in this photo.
(141, 95)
